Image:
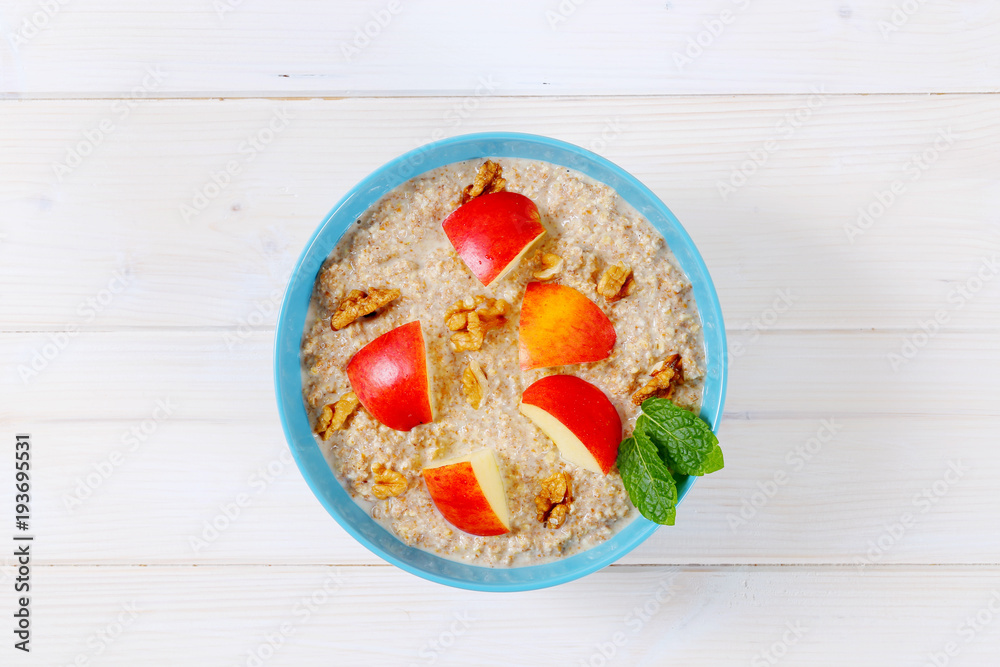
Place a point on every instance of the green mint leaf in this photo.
(713, 462)
(649, 484)
(685, 442)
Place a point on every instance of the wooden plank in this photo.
(105, 245)
(303, 47)
(361, 615)
(836, 490)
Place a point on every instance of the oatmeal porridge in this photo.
(396, 278)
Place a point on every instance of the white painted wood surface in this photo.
(878, 547)
(312, 47)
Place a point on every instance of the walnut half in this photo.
(663, 381)
(552, 504)
(388, 483)
(616, 283)
(358, 304)
(489, 179)
(551, 266)
(334, 415)
(471, 324)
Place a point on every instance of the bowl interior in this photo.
(291, 322)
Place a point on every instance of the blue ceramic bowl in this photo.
(291, 323)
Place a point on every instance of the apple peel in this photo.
(469, 493)
(578, 417)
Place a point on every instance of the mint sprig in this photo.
(668, 442)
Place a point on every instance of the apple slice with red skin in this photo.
(560, 326)
(493, 232)
(579, 418)
(391, 378)
(469, 493)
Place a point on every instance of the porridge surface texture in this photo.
(399, 244)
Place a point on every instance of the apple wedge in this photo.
(469, 493)
(493, 232)
(390, 376)
(578, 417)
(560, 326)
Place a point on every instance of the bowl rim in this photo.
(290, 324)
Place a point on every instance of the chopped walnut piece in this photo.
(456, 321)
(323, 423)
(558, 515)
(552, 504)
(358, 304)
(470, 325)
(616, 283)
(334, 415)
(663, 382)
(472, 337)
(493, 313)
(551, 265)
(474, 384)
(388, 483)
(489, 179)
(628, 288)
(456, 317)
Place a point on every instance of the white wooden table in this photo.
(837, 163)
